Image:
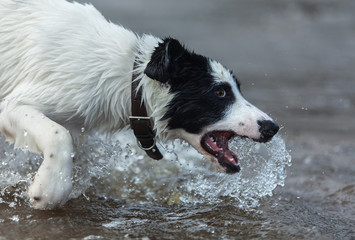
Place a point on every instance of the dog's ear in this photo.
(164, 58)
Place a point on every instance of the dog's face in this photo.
(207, 108)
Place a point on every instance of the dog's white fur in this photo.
(64, 67)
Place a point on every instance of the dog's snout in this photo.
(267, 130)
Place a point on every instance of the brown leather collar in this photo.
(140, 122)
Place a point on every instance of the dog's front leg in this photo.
(31, 130)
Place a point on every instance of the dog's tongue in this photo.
(216, 143)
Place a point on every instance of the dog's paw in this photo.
(49, 189)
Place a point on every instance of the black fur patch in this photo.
(195, 104)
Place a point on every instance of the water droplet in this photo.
(25, 132)
(82, 129)
(15, 218)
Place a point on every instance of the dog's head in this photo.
(207, 108)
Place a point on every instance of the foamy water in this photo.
(115, 168)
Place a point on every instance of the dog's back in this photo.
(50, 49)
(62, 65)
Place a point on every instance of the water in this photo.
(295, 59)
(118, 169)
(118, 174)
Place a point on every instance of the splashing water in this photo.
(116, 168)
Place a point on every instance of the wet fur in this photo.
(63, 67)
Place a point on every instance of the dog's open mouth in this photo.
(216, 144)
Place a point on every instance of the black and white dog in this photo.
(64, 67)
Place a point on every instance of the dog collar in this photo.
(140, 122)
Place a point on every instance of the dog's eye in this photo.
(220, 92)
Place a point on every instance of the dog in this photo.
(64, 67)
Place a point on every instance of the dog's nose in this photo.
(267, 130)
